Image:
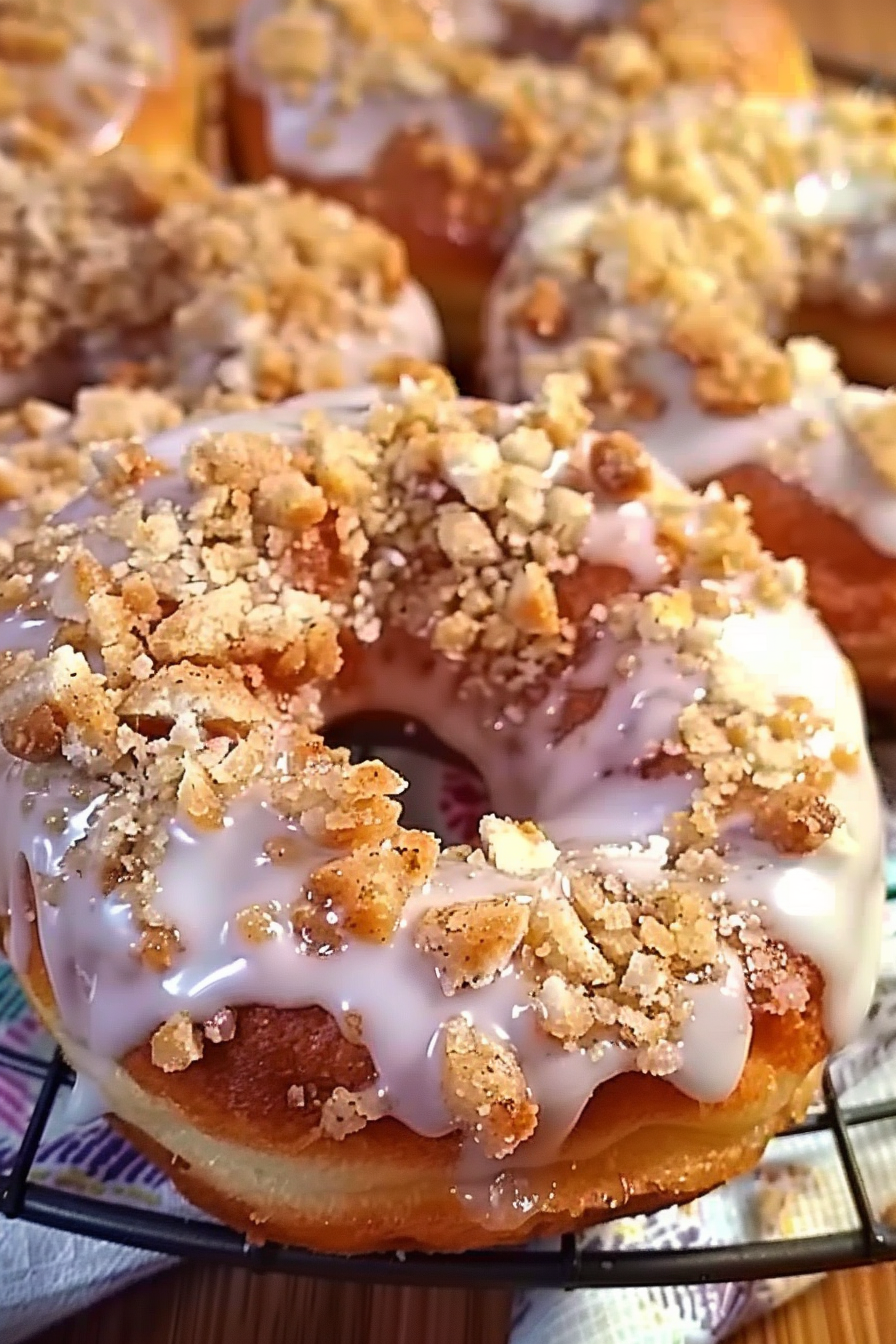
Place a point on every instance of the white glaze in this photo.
(93, 61)
(490, 22)
(585, 791)
(354, 140)
(315, 138)
(219, 342)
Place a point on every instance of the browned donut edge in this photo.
(640, 1145)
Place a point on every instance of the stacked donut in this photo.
(415, 112)
(277, 513)
(667, 276)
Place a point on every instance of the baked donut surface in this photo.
(668, 275)
(336, 1030)
(415, 115)
(94, 73)
(219, 294)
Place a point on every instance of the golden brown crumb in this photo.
(619, 466)
(158, 947)
(345, 1112)
(543, 311)
(795, 819)
(485, 1090)
(390, 372)
(177, 1044)
(516, 848)
(625, 60)
(58, 696)
(217, 696)
(532, 601)
(257, 923)
(471, 943)
(368, 888)
(874, 429)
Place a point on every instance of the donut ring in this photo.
(96, 73)
(220, 295)
(334, 1031)
(667, 275)
(401, 109)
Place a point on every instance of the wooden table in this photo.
(195, 1305)
(219, 1306)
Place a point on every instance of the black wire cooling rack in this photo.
(571, 1263)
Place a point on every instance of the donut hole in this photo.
(445, 794)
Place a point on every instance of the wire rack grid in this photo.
(569, 1264)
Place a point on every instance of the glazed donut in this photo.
(400, 108)
(328, 1028)
(666, 275)
(94, 73)
(216, 294)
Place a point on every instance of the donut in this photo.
(402, 109)
(328, 1027)
(94, 73)
(668, 275)
(111, 268)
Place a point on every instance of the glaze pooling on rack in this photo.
(584, 790)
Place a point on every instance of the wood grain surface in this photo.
(197, 1305)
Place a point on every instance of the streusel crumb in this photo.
(177, 1044)
(472, 943)
(485, 1091)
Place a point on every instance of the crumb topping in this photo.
(668, 42)
(40, 32)
(247, 290)
(697, 236)
(201, 628)
(344, 1112)
(548, 116)
(873, 428)
(177, 1044)
(485, 1089)
(545, 116)
(46, 452)
(474, 942)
